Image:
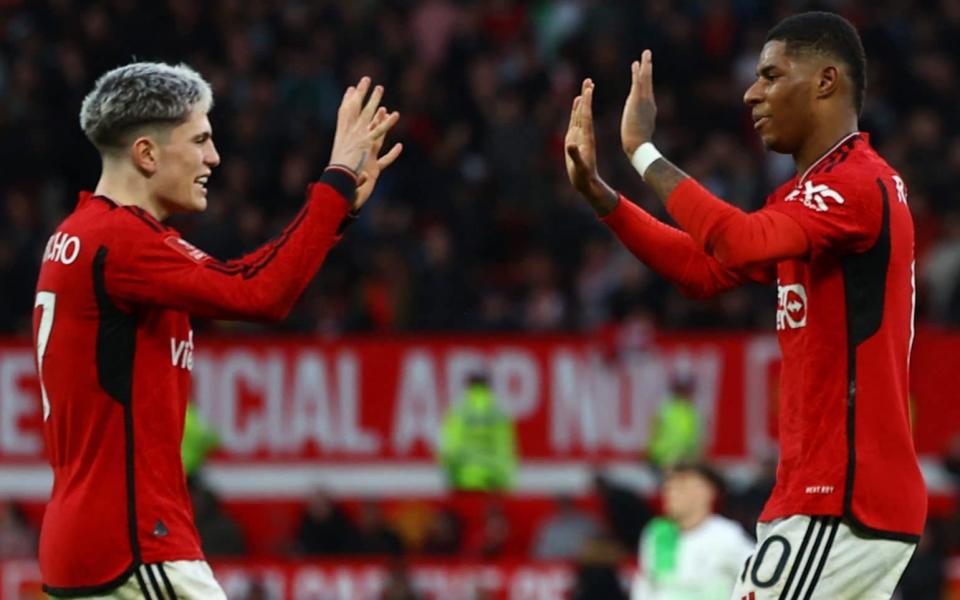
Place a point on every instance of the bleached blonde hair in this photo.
(138, 95)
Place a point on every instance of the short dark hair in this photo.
(478, 378)
(703, 469)
(826, 33)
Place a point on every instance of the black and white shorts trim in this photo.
(808, 558)
(176, 580)
(154, 583)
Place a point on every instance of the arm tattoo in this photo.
(605, 201)
(363, 159)
(663, 176)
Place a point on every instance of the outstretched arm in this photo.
(674, 254)
(735, 238)
(164, 270)
(668, 251)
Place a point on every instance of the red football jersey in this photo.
(114, 353)
(845, 323)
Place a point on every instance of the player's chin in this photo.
(198, 201)
(774, 143)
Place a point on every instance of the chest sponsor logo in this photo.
(181, 352)
(186, 248)
(815, 196)
(62, 248)
(819, 489)
(901, 189)
(791, 306)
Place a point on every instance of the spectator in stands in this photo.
(477, 447)
(747, 503)
(257, 590)
(481, 152)
(951, 462)
(220, 536)
(374, 535)
(442, 295)
(625, 512)
(690, 552)
(444, 535)
(17, 538)
(494, 539)
(564, 534)
(676, 431)
(925, 575)
(325, 530)
(598, 571)
(398, 585)
(941, 269)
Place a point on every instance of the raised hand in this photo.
(640, 109)
(372, 168)
(581, 148)
(581, 154)
(357, 133)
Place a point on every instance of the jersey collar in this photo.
(826, 154)
(86, 196)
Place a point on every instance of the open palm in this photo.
(579, 143)
(372, 167)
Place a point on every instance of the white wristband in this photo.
(644, 156)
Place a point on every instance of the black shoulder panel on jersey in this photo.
(116, 346)
(865, 281)
(116, 337)
(865, 284)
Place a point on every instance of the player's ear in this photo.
(828, 81)
(144, 153)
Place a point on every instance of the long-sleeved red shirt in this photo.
(839, 239)
(114, 352)
(720, 246)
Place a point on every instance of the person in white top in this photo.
(690, 553)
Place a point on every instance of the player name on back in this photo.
(62, 248)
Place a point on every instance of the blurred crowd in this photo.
(475, 228)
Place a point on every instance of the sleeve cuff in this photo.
(341, 180)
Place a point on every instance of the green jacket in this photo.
(198, 440)
(477, 447)
(676, 433)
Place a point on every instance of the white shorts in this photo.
(177, 580)
(810, 558)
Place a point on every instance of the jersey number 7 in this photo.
(47, 301)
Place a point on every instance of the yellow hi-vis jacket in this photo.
(477, 447)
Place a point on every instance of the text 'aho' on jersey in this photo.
(845, 324)
(114, 353)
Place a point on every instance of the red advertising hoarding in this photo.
(377, 403)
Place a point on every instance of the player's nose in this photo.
(212, 157)
(754, 94)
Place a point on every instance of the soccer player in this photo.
(849, 504)
(112, 333)
(690, 552)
